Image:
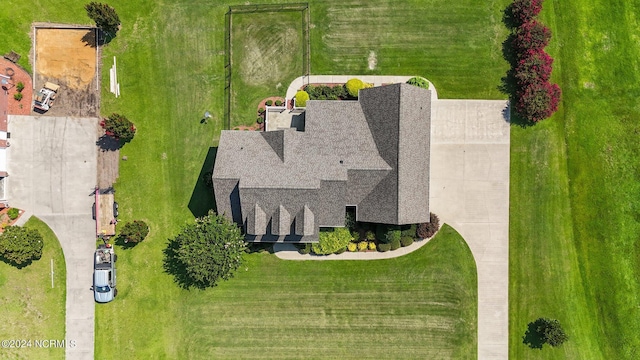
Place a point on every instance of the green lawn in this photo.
(29, 308)
(266, 57)
(575, 191)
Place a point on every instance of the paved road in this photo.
(52, 172)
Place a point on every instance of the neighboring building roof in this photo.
(372, 153)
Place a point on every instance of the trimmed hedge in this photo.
(406, 241)
(268, 102)
(372, 245)
(395, 244)
(301, 98)
(352, 247)
(363, 245)
(278, 103)
(393, 235)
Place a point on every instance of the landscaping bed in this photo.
(9, 216)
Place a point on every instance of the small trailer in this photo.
(105, 213)
(45, 97)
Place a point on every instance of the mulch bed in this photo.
(22, 107)
(5, 220)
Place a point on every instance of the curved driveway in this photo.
(52, 173)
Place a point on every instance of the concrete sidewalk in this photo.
(376, 80)
(52, 166)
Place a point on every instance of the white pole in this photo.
(97, 62)
(35, 56)
(52, 273)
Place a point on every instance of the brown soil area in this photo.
(67, 57)
(17, 74)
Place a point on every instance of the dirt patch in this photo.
(372, 60)
(68, 57)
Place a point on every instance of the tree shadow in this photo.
(202, 197)
(15, 264)
(533, 336)
(108, 143)
(90, 38)
(508, 19)
(124, 245)
(174, 266)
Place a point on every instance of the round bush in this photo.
(419, 82)
(370, 235)
(406, 241)
(135, 231)
(259, 120)
(353, 86)
(268, 102)
(352, 247)
(395, 244)
(13, 213)
(278, 103)
(119, 127)
(538, 101)
(363, 245)
(261, 110)
(301, 98)
(393, 235)
(372, 245)
(384, 247)
(331, 240)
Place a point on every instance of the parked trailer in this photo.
(105, 212)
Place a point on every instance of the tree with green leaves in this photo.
(104, 16)
(119, 127)
(551, 332)
(20, 245)
(204, 252)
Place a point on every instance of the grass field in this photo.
(576, 191)
(29, 308)
(266, 56)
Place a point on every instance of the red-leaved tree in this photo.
(525, 10)
(534, 66)
(538, 101)
(531, 35)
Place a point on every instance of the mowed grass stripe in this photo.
(351, 309)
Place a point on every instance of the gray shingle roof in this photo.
(372, 153)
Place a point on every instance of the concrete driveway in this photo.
(52, 173)
(469, 190)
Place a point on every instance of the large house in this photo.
(371, 154)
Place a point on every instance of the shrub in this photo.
(17, 96)
(261, 110)
(259, 120)
(372, 245)
(525, 10)
(19, 86)
(305, 249)
(406, 241)
(409, 230)
(419, 82)
(301, 98)
(135, 231)
(370, 235)
(384, 247)
(331, 240)
(278, 102)
(531, 35)
(535, 66)
(341, 250)
(353, 247)
(393, 235)
(395, 244)
(20, 245)
(427, 230)
(119, 127)
(13, 213)
(538, 101)
(363, 245)
(268, 102)
(353, 86)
